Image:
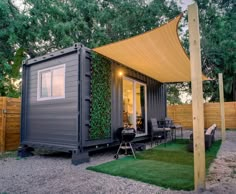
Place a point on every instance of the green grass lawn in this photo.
(168, 167)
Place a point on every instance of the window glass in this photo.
(58, 82)
(51, 83)
(45, 84)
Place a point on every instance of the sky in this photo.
(185, 4)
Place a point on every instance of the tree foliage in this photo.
(9, 52)
(57, 24)
(177, 93)
(218, 45)
(218, 42)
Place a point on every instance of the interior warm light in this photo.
(120, 73)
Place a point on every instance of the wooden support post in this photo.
(4, 116)
(197, 98)
(222, 108)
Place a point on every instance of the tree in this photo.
(177, 93)
(57, 24)
(9, 52)
(218, 44)
(217, 19)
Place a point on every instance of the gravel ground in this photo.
(55, 174)
(222, 174)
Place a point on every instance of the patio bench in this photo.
(209, 138)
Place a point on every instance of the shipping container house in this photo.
(58, 100)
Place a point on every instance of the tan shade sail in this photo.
(157, 53)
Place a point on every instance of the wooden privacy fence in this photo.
(183, 114)
(9, 123)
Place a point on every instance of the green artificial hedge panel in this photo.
(100, 110)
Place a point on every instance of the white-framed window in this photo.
(51, 83)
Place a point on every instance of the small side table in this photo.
(175, 127)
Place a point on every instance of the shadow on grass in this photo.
(168, 167)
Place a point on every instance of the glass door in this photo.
(140, 108)
(134, 106)
(128, 103)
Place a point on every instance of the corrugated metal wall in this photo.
(57, 122)
(156, 95)
(52, 121)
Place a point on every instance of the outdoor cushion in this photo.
(210, 129)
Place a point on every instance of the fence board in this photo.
(9, 123)
(183, 114)
(12, 141)
(3, 126)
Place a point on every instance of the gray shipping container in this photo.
(61, 121)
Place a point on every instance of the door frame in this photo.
(134, 81)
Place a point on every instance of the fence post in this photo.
(222, 108)
(4, 116)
